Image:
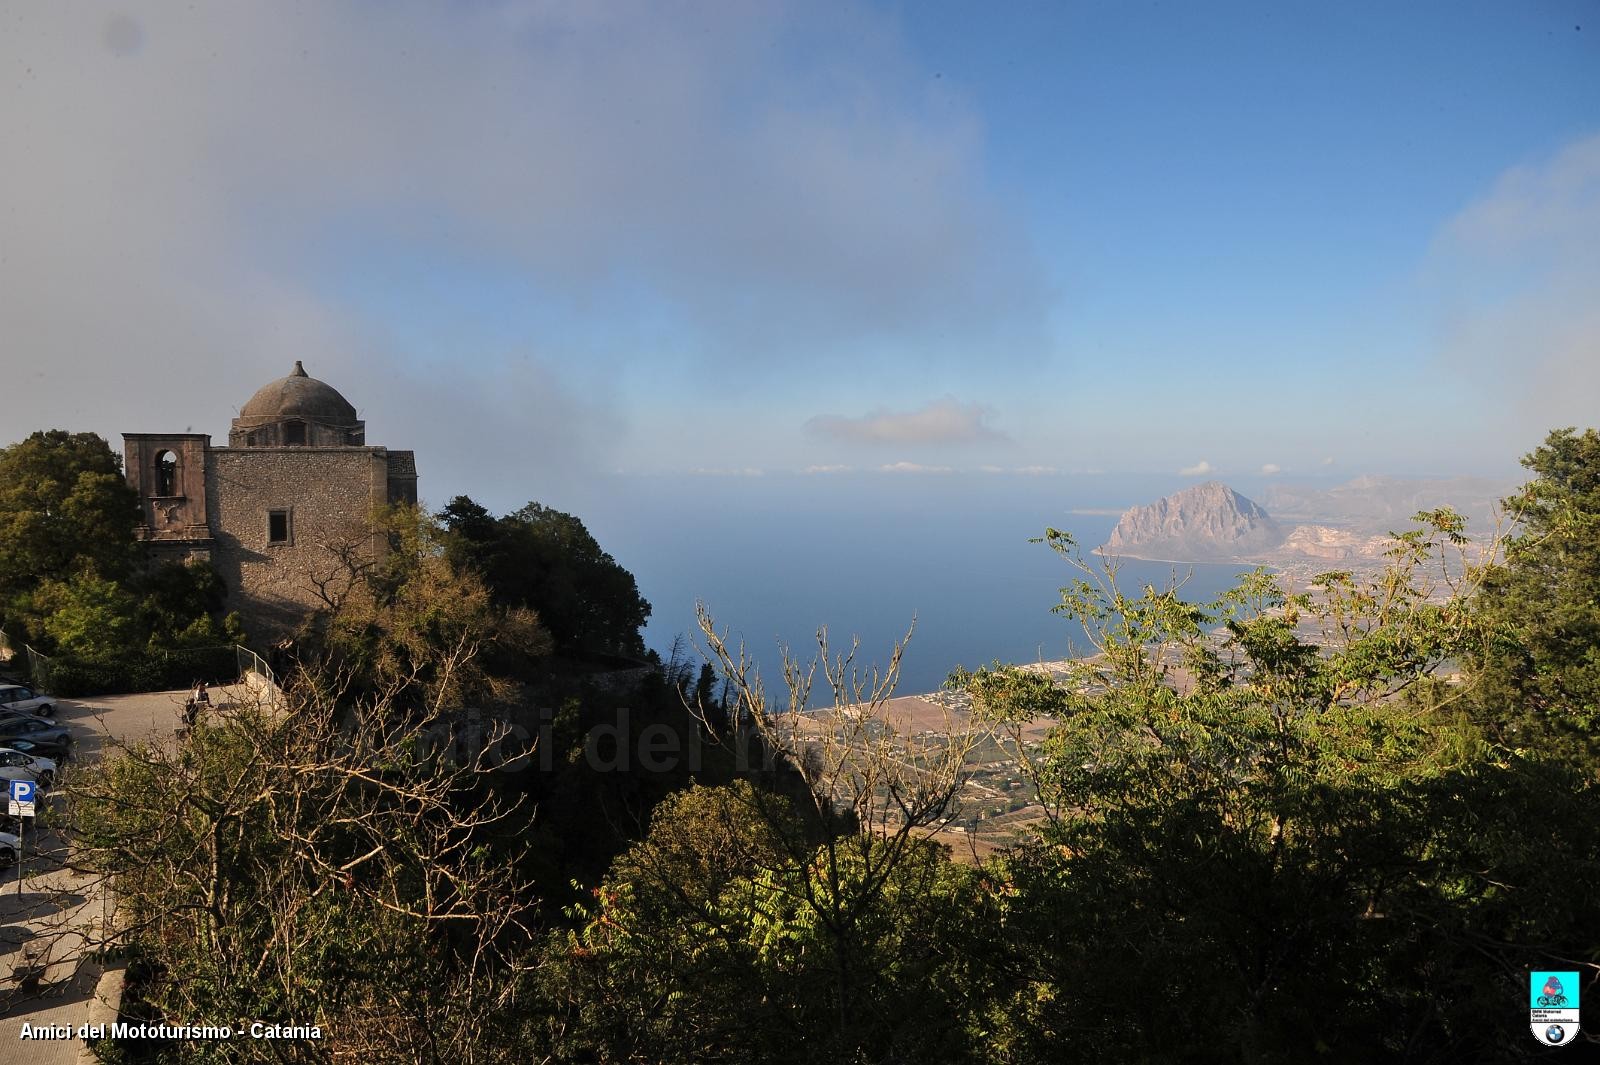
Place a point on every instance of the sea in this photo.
(947, 556)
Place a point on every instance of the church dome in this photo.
(298, 396)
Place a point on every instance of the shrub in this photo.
(70, 676)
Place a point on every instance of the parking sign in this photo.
(22, 796)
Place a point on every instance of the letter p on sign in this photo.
(22, 798)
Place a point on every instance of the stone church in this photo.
(272, 512)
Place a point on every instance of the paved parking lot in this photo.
(50, 912)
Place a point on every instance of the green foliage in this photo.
(71, 581)
(88, 617)
(1278, 826)
(1000, 694)
(66, 541)
(417, 628)
(715, 939)
(542, 559)
(304, 865)
(149, 671)
(1540, 674)
(1267, 828)
(163, 608)
(182, 606)
(64, 509)
(160, 628)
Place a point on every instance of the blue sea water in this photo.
(776, 557)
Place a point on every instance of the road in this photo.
(49, 911)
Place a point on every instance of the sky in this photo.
(542, 242)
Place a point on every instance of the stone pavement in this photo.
(53, 925)
(53, 918)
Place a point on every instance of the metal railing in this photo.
(38, 664)
(38, 668)
(255, 673)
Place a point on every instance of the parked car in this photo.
(15, 699)
(17, 772)
(57, 752)
(43, 768)
(37, 729)
(9, 848)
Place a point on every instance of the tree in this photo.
(1539, 675)
(411, 624)
(653, 972)
(324, 858)
(182, 605)
(70, 574)
(857, 854)
(712, 940)
(798, 914)
(1246, 804)
(64, 507)
(89, 617)
(543, 559)
(307, 863)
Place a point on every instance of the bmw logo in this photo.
(1555, 1033)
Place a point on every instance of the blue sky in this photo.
(779, 237)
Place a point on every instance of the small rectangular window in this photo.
(277, 526)
(294, 433)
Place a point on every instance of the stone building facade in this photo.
(275, 511)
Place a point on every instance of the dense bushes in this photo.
(67, 677)
(73, 580)
(540, 558)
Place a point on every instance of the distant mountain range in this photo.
(1380, 504)
(1347, 524)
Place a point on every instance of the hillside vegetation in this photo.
(1351, 848)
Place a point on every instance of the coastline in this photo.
(1100, 552)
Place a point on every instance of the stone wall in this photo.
(259, 432)
(175, 512)
(327, 495)
(403, 477)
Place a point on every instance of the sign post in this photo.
(21, 804)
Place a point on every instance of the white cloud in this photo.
(1199, 469)
(1536, 206)
(746, 471)
(944, 421)
(1270, 469)
(1328, 461)
(198, 195)
(1035, 471)
(914, 467)
(827, 469)
(1518, 273)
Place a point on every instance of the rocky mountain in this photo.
(1206, 523)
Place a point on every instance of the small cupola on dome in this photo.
(295, 411)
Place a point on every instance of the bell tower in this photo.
(168, 470)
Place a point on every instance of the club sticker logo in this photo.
(1553, 1007)
(1553, 995)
